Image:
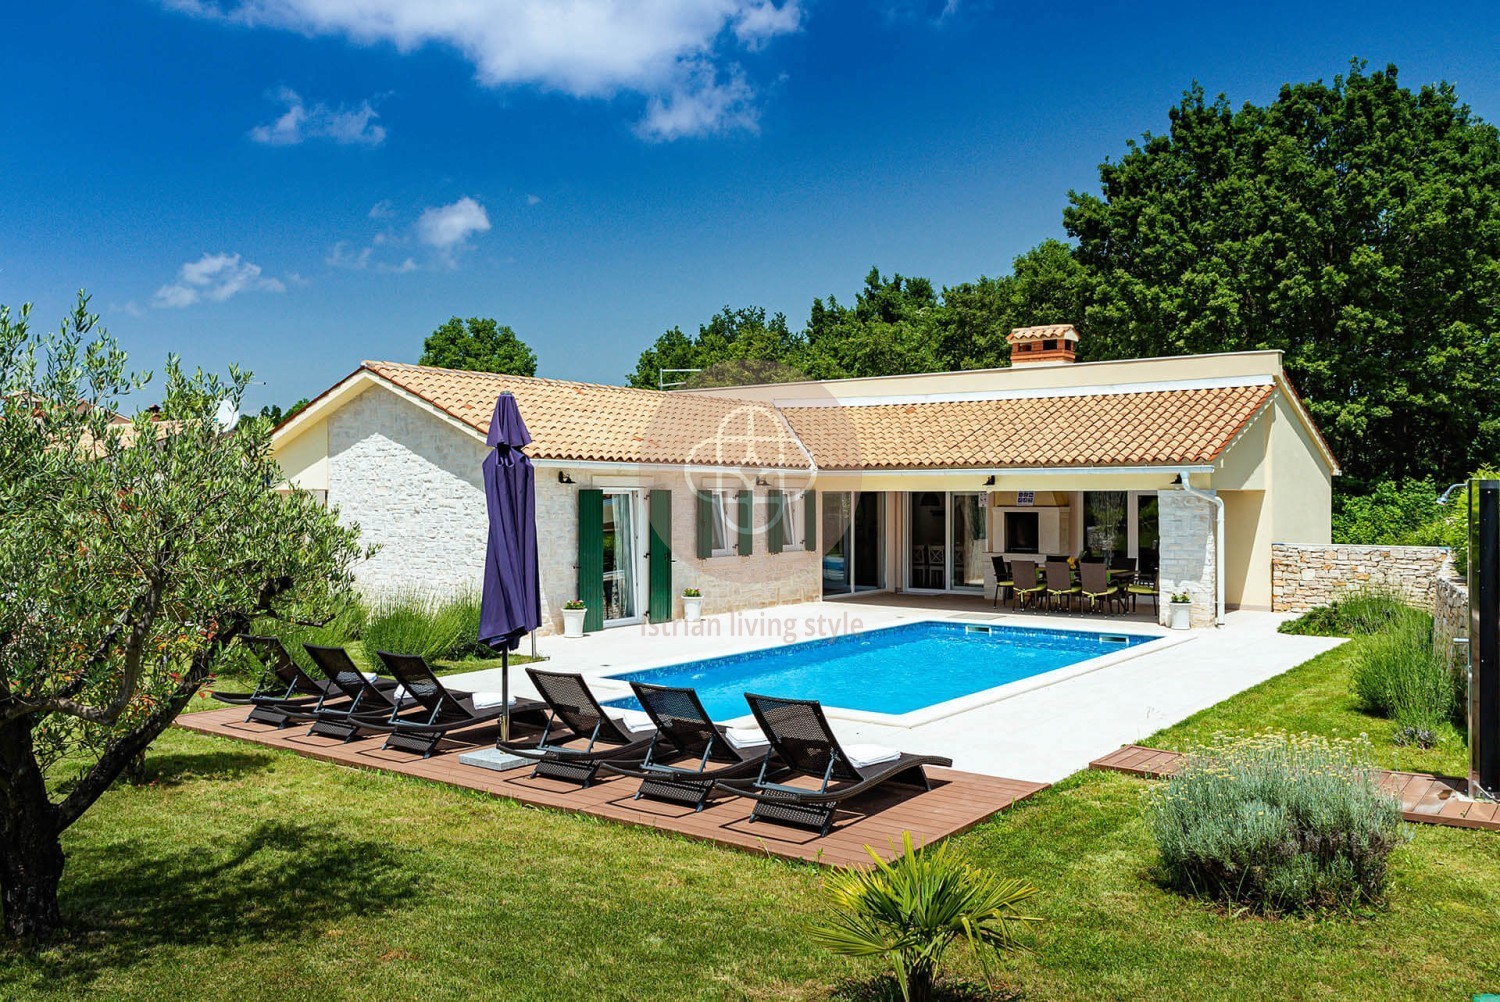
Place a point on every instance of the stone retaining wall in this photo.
(1450, 618)
(1304, 576)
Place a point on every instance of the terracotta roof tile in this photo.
(594, 422)
(1042, 333)
(1114, 429)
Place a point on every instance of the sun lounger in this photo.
(685, 734)
(446, 709)
(357, 701)
(803, 744)
(579, 736)
(282, 683)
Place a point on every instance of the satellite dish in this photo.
(227, 416)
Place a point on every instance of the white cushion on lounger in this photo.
(369, 676)
(635, 721)
(484, 700)
(745, 737)
(399, 693)
(864, 756)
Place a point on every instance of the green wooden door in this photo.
(659, 557)
(591, 556)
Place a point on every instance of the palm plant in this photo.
(913, 908)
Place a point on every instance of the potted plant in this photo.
(1180, 616)
(573, 612)
(692, 604)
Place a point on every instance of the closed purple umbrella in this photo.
(510, 606)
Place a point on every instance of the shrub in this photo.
(423, 624)
(913, 908)
(1276, 822)
(1397, 674)
(345, 626)
(1359, 613)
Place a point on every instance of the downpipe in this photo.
(1187, 487)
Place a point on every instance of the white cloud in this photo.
(382, 209)
(214, 278)
(583, 48)
(702, 104)
(301, 122)
(448, 227)
(533, 200)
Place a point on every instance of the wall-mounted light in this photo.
(762, 482)
(989, 481)
(563, 478)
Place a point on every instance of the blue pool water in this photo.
(893, 670)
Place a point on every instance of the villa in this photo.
(793, 492)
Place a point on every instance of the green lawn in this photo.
(253, 874)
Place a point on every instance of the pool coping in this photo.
(610, 687)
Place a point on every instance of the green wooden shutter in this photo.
(591, 557)
(775, 522)
(659, 557)
(704, 524)
(747, 523)
(810, 520)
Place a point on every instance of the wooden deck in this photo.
(956, 802)
(1431, 800)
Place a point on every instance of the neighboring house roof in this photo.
(594, 422)
(1166, 427)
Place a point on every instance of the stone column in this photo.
(1187, 554)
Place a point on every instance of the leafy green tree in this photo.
(736, 346)
(893, 326)
(478, 344)
(1354, 226)
(133, 556)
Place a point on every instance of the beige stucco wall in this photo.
(1301, 484)
(304, 459)
(1247, 551)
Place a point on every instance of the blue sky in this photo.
(296, 185)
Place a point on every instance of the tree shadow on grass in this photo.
(279, 883)
(175, 768)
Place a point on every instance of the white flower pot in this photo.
(692, 608)
(573, 622)
(1180, 615)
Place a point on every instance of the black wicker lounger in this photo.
(684, 731)
(803, 742)
(282, 683)
(576, 711)
(447, 709)
(369, 704)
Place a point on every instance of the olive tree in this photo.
(132, 554)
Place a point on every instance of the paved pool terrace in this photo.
(1039, 729)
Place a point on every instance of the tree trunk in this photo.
(31, 856)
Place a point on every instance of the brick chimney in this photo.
(1051, 343)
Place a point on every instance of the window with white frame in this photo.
(722, 524)
(794, 520)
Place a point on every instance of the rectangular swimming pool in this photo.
(893, 670)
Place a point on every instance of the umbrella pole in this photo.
(505, 693)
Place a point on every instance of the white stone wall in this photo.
(729, 584)
(1304, 576)
(1188, 555)
(413, 484)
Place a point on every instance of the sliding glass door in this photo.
(853, 530)
(947, 541)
